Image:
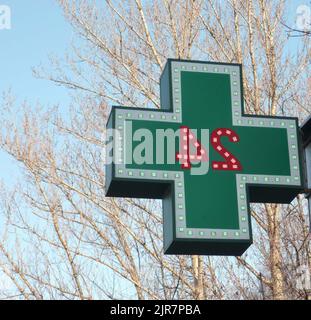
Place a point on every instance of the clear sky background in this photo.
(39, 29)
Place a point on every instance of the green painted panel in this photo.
(215, 217)
(211, 200)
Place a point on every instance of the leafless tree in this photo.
(62, 238)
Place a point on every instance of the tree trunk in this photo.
(273, 212)
(197, 265)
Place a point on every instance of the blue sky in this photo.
(39, 29)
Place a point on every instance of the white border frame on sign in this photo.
(238, 119)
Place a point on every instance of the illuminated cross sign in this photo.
(204, 157)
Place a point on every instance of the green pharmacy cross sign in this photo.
(204, 157)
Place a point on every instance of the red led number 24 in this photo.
(185, 158)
